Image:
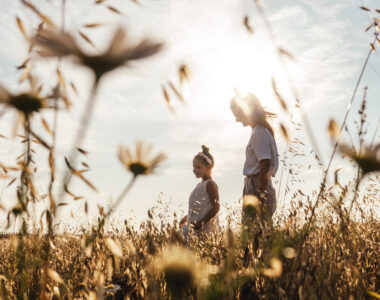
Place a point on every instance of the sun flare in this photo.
(242, 66)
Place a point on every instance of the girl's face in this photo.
(200, 169)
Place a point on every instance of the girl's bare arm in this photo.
(183, 221)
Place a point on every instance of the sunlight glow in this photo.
(244, 66)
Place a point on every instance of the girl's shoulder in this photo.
(211, 184)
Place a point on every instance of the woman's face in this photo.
(200, 169)
(241, 117)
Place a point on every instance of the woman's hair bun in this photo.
(205, 149)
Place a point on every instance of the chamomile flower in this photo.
(139, 162)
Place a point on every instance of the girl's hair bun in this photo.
(205, 156)
(205, 149)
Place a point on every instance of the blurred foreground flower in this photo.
(139, 163)
(250, 201)
(368, 160)
(25, 102)
(251, 205)
(50, 43)
(118, 53)
(179, 268)
(112, 288)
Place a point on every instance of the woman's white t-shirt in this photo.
(261, 146)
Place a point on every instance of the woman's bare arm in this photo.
(264, 175)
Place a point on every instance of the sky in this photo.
(326, 38)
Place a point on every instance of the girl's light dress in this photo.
(199, 207)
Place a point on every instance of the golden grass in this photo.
(153, 263)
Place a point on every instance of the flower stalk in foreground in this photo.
(138, 163)
(119, 53)
(25, 102)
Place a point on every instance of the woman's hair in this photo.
(251, 107)
(205, 156)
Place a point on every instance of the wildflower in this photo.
(368, 160)
(118, 53)
(25, 102)
(250, 204)
(112, 288)
(250, 201)
(179, 268)
(139, 164)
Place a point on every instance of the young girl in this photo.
(204, 199)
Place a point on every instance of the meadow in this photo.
(326, 245)
(336, 261)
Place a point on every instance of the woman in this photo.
(261, 157)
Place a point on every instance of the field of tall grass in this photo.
(336, 261)
(326, 245)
